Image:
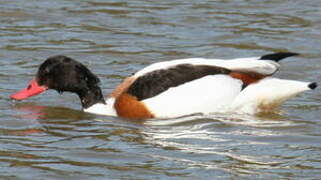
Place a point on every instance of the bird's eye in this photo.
(47, 70)
(29, 87)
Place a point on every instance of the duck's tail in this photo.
(278, 56)
(268, 94)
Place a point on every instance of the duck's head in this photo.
(64, 74)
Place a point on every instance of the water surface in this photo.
(49, 137)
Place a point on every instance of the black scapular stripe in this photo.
(158, 81)
(278, 56)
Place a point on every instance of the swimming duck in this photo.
(174, 88)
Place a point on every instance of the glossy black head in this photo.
(65, 74)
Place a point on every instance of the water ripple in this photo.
(49, 137)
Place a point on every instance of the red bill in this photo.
(33, 89)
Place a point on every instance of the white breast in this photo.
(103, 109)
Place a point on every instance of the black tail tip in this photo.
(313, 85)
(278, 56)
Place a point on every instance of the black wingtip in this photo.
(313, 85)
(278, 56)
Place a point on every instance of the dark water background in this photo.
(48, 137)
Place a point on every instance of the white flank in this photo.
(267, 95)
(103, 109)
(212, 93)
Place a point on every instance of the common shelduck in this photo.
(174, 88)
